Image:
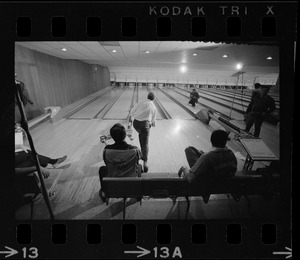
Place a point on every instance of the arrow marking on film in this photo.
(10, 253)
(141, 253)
(288, 253)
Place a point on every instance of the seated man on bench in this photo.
(217, 163)
(121, 159)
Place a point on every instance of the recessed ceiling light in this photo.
(64, 49)
(147, 51)
(194, 54)
(114, 51)
(269, 58)
(225, 56)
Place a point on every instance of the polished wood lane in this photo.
(91, 110)
(173, 109)
(218, 107)
(121, 107)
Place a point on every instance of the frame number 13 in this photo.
(31, 252)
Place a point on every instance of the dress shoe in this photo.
(59, 161)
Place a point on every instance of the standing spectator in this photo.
(259, 107)
(219, 162)
(144, 114)
(194, 96)
(24, 93)
(256, 92)
(20, 86)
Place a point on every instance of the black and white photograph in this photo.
(149, 129)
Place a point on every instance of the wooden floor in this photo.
(75, 183)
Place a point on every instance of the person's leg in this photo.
(23, 159)
(102, 173)
(193, 102)
(44, 160)
(137, 126)
(192, 155)
(249, 121)
(143, 128)
(145, 143)
(257, 125)
(139, 170)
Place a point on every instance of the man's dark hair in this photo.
(219, 138)
(151, 96)
(118, 132)
(257, 85)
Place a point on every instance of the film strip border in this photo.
(228, 21)
(155, 239)
(232, 22)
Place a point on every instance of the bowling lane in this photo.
(238, 103)
(221, 92)
(169, 138)
(244, 97)
(90, 110)
(172, 108)
(142, 95)
(216, 106)
(248, 92)
(226, 101)
(120, 108)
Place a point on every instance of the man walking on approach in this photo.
(144, 114)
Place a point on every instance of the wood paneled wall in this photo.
(52, 81)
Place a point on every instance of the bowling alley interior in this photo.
(77, 90)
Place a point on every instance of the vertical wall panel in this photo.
(51, 81)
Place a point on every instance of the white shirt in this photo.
(144, 110)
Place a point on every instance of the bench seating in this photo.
(168, 185)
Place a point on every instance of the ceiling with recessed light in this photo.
(161, 61)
